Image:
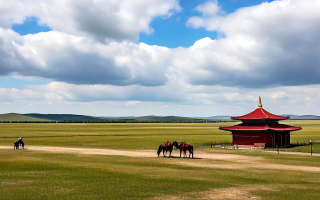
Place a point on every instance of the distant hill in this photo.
(85, 118)
(303, 117)
(36, 117)
(156, 119)
(64, 117)
(294, 117)
(222, 117)
(15, 117)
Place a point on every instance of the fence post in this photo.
(311, 146)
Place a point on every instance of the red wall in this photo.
(249, 138)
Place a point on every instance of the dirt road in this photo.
(238, 161)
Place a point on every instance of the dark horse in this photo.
(165, 149)
(184, 147)
(17, 144)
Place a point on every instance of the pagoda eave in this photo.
(260, 114)
(275, 127)
(261, 130)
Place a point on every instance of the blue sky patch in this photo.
(11, 82)
(30, 26)
(173, 32)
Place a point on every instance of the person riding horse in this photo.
(167, 144)
(164, 148)
(183, 144)
(184, 147)
(19, 142)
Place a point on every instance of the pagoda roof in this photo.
(260, 127)
(260, 113)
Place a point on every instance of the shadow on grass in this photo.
(182, 157)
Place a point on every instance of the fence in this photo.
(221, 144)
(292, 145)
(313, 143)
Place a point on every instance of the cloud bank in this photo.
(91, 54)
(99, 19)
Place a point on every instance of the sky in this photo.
(159, 57)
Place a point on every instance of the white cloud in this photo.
(87, 93)
(100, 19)
(249, 56)
(9, 95)
(132, 103)
(268, 45)
(209, 8)
(189, 100)
(280, 96)
(73, 59)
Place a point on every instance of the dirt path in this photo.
(238, 161)
(132, 153)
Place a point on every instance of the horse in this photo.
(17, 144)
(184, 147)
(165, 149)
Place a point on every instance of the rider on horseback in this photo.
(18, 143)
(182, 145)
(167, 144)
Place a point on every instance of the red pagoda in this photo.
(261, 128)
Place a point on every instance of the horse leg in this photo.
(180, 153)
(192, 151)
(189, 150)
(159, 150)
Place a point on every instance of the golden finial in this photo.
(260, 104)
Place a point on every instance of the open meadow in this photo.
(118, 161)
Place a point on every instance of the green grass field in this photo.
(114, 136)
(26, 174)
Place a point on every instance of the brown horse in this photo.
(184, 147)
(165, 149)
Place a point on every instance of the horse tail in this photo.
(159, 150)
(191, 148)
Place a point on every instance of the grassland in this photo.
(115, 136)
(44, 175)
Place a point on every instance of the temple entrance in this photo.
(280, 139)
